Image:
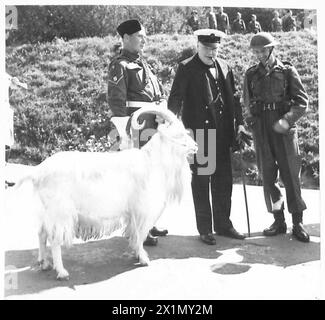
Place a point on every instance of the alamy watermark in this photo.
(206, 141)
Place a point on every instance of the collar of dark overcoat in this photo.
(222, 70)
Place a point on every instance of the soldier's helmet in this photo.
(263, 40)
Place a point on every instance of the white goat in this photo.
(87, 195)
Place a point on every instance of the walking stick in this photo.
(244, 186)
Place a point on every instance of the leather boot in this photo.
(158, 233)
(278, 226)
(150, 240)
(298, 230)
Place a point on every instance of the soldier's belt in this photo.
(272, 106)
(140, 104)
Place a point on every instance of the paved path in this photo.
(181, 267)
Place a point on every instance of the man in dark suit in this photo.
(203, 93)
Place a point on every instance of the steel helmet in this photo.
(263, 40)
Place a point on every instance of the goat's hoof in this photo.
(144, 261)
(63, 275)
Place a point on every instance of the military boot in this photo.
(278, 226)
(298, 230)
(150, 240)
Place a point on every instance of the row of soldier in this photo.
(220, 21)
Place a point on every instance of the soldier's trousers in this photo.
(278, 153)
(220, 185)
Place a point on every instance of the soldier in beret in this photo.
(275, 99)
(203, 93)
(131, 85)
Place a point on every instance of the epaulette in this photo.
(120, 60)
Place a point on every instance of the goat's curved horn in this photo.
(164, 113)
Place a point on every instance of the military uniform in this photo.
(276, 24)
(193, 22)
(212, 22)
(239, 26)
(270, 95)
(131, 79)
(222, 22)
(289, 24)
(132, 84)
(254, 27)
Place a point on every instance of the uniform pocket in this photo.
(278, 85)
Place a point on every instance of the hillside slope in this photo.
(65, 107)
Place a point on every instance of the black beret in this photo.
(129, 27)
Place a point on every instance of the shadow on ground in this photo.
(101, 260)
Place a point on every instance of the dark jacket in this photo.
(281, 84)
(239, 26)
(191, 95)
(289, 24)
(130, 78)
(254, 27)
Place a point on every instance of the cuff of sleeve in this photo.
(289, 119)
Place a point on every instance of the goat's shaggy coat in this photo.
(87, 195)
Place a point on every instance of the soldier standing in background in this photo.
(222, 21)
(193, 21)
(289, 22)
(254, 26)
(276, 23)
(275, 99)
(212, 21)
(131, 85)
(238, 25)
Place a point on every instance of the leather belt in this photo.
(272, 106)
